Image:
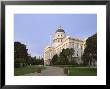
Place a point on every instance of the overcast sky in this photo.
(35, 30)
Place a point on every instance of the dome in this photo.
(60, 29)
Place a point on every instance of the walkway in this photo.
(49, 71)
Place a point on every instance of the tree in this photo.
(21, 56)
(20, 53)
(34, 61)
(29, 61)
(20, 50)
(71, 54)
(54, 60)
(65, 57)
(40, 61)
(90, 52)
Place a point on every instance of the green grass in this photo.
(67, 65)
(26, 70)
(82, 71)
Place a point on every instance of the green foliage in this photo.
(40, 61)
(22, 58)
(28, 69)
(20, 50)
(20, 62)
(54, 60)
(20, 54)
(73, 61)
(64, 58)
(17, 65)
(90, 52)
(82, 71)
(35, 61)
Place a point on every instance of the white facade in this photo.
(61, 41)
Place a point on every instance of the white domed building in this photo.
(61, 41)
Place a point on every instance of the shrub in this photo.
(17, 65)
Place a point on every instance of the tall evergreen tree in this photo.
(90, 52)
(55, 60)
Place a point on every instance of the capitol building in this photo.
(61, 41)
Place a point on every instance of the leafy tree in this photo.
(42, 61)
(71, 54)
(20, 50)
(73, 61)
(29, 61)
(20, 53)
(90, 52)
(39, 61)
(34, 61)
(54, 60)
(21, 56)
(65, 57)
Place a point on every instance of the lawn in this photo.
(67, 65)
(27, 69)
(75, 71)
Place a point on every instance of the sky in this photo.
(36, 30)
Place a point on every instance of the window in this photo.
(77, 53)
(81, 47)
(58, 40)
(77, 45)
(73, 45)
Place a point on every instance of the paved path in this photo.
(49, 71)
